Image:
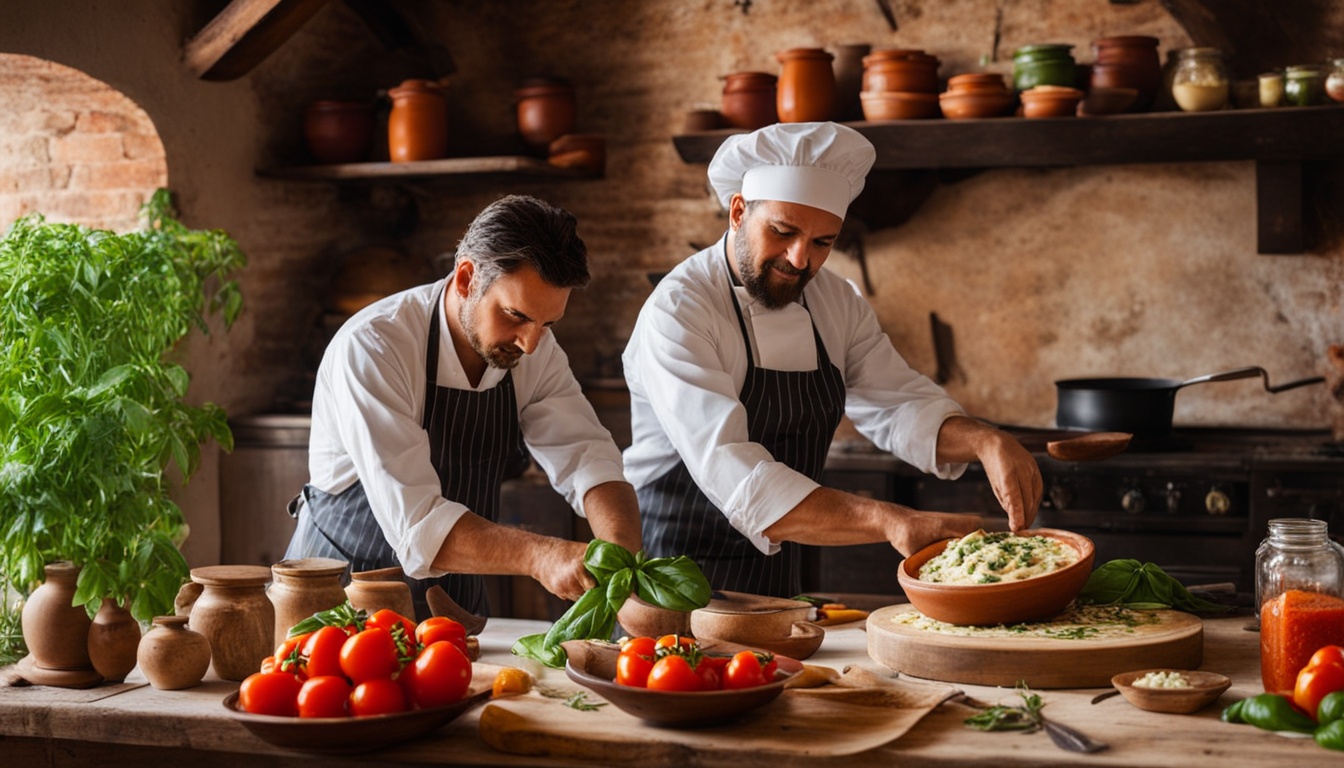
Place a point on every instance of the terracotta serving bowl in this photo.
(976, 81)
(592, 664)
(1205, 688)
(1050, 101)
(898, 105)
(640, 618)
(971, 103)
(1007, 602)
(775, 624)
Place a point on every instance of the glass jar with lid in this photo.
(1199, 83)
(1304, 86)
(1299, 589)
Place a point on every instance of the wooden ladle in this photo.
(1091, 446)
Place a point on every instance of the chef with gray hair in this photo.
(746, 356)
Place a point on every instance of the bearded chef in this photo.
(425, 397)
(745, 357)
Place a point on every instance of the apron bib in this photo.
(474, 440)
(794, 415)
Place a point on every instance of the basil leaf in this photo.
(603, 559)
(677, 584)
(619, 588)
(590, 617)
(534, 647)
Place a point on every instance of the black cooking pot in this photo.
(1142, 407)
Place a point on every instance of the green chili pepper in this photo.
(1331, 736)
(1275, 713)
(1331, 708)
(1233, 712)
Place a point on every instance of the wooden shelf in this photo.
(1278, 140)
(429, 169)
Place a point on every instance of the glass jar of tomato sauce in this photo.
(1299, 586)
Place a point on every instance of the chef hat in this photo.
(822, 165)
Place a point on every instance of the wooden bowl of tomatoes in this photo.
(683, 686)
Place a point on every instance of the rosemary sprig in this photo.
(1001, 717)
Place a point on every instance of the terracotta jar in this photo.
(56, 632)
(546, 110)
(383, 588)
(302, 587)
(339, 131)
(172, 655)
(113, 641)
(1128, 61)
(900, 70)
(749, 100)
(848, 67)
(806, 89)
(417, 128)
(234, 615)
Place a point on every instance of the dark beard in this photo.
(496, 357)
(755, 281)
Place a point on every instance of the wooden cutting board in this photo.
(1175, 640)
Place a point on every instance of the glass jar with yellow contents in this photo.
(1199, 83)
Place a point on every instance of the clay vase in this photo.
(417, 127)
(339, 131)
(235, 616)
(56, 632)
(848, 68)
(301, 587)
(1128, 61)
(113, 640)
(806, 90)
(546, 111)
(748, 100)
(172, 655)
(383, 588)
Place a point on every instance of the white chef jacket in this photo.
(368, 405)
(686, 363)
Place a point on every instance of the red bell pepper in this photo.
(1322, 675)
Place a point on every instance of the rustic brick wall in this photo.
(72, 147)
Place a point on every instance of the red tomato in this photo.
(287, 653)
(270, 693)
(388, 619)
(268, 664)
(436, 628)
(633, 668)
(670, 641)
(769, 665)
(379, 696)
(643, 646)
(369, 655)
(442, 675)
(710, 674)
(1323, 674)
(324, 696)
(322, 652)
(674, 673)
(743, 671)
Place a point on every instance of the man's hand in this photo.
(558, 566)
(911, 530)
(1012, 472)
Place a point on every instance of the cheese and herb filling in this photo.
(1162, 680)
(1077, 622)
(989, 558)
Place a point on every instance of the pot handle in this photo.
(1246, 373)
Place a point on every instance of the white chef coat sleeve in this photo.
(890, 403)
(371, 385)
(561, 428)
(687, 350)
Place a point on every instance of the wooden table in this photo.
(117, 725)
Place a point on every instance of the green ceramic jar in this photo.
(1043, 64)
(1304, 87)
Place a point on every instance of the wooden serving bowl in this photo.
(1205, 688)
(1006, 602)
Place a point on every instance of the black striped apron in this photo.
(474, 437)
(794, 415)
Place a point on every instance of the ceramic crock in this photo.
(304, 586)
(339, 131)
(546, 110)
(235, 616)
(114, 638)
(748, 100)
(172, 655)
(417, 128)
(806, 90)
(56, 632)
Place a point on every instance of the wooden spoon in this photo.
(1092, 446)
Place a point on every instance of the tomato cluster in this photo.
(676, 663)
(380, 665)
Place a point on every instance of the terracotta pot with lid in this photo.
(339, 131)
(546, 110)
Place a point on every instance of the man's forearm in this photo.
(613, 513)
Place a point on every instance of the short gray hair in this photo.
(519, 230)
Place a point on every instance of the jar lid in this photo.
(805, 53)
(231, 575)
(310, 566)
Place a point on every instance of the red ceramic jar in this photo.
(1128, 61)
(339, 131)
(546, 110)
(417, 128)
(749, 100)
(806, 91)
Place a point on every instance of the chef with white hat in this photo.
(746, 356)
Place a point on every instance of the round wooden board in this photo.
(1176, 641)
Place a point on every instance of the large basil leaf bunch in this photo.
(676, 583)
(1138, 585)
(93, 408)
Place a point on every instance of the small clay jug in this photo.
(114, 638)
(417, 127)
(806, 90)
(302, 587)
(172, 655)
(55, 631)
(848, 66)
(546, 110)
(379, 589)
(235, 616)
(339, 131)
(748, 100)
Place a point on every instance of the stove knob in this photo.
(1132, 502)
(1173, 499)
(1061, 496)
(1216, 502)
